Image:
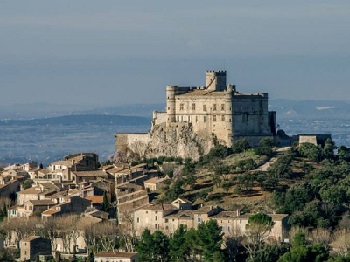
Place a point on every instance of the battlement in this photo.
(215, 81)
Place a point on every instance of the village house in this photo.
(32, 247)
(9, 185)
(116, 257)
(96, 202)
(88, 176)
(155, 183)
(72, 205)
(168, 217)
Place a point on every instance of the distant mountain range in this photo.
(286, 109)
(82, 119)
(310, 109)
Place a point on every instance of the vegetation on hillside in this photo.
(307, 182)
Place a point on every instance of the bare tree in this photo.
(320, 236)
(341, 242)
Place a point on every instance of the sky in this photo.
(110, 53)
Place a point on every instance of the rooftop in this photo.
(93, 173)
(116, 254)
(95, 199)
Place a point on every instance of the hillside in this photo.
(309, 183)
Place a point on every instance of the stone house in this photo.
(32, 247)
(37, 192)
(96, 202)
(88, 176)
(9, 186)
(116, 257)
(155, 183)
(33, 207)
(28, 194)
(74, 204)
(167, 218)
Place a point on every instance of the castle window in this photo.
(196, 118)
(204, 108)
(214, 107)
(222, 107)
(182, 106)
(223, 118)
(138, 220)
(205, 119)
(214, 118)
(193, 106)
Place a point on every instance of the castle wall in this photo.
(159, 118)
(127, 144)
(250, 115)
(208, 114)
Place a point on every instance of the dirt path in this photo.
(265, 166)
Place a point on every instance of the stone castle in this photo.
(198, 118)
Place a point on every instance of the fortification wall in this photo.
(133, 145)
(251, 115)
(159, 118)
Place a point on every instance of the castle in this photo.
(214, 113)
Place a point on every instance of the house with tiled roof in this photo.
(116, 257)
(72, 205)
(88, 176)
(168, 217)
(25, 195)
(155, 183)
(96, 201)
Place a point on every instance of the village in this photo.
(79, 185)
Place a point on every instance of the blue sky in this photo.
(122, 52)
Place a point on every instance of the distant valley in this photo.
(45, 132)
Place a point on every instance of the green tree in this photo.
(344, 153)
(310, 151)
(240, 146)
(257, 229)
(153, 247)
(179, 248)
(328, 150)
(209, 238)
(265, 147)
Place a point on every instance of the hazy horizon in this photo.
(108, 53)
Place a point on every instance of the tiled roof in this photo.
(31, 190)
(95, 199)
(50, 212)
(62, 163)
(202, 92)
(159, 207)
(156, 180)
(41, 202)
(93, 173)
(116, 254)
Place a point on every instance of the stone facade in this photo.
(168, 218)
(197, 118)
(32, 247)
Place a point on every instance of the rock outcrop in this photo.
(176, 140)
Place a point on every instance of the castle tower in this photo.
(170, 104)
(215, 81)
(228, 113)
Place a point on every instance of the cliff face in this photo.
(176, 140)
